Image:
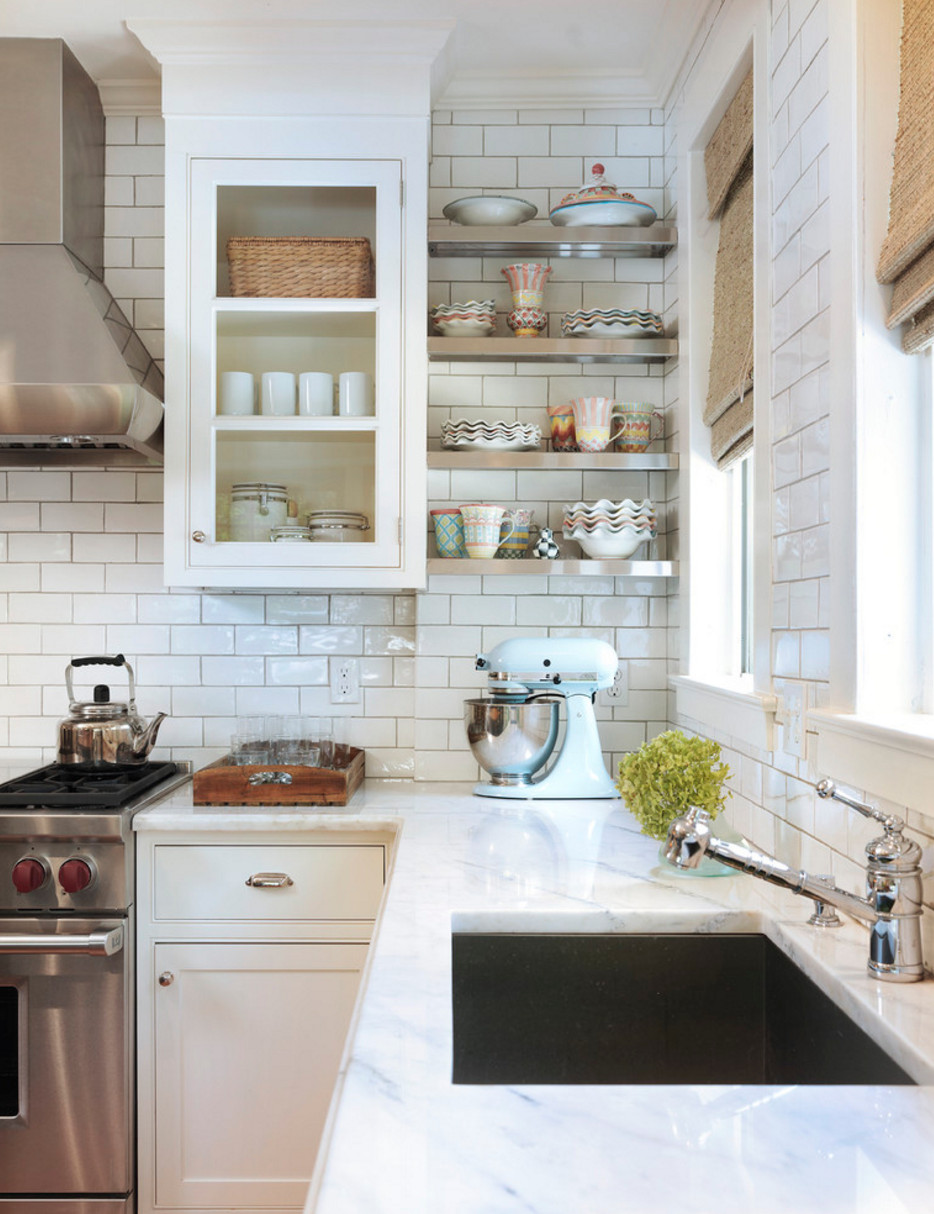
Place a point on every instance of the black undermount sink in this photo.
(692, 1008)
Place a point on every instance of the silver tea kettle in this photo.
(102, 733)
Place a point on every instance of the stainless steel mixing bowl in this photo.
(511, 741)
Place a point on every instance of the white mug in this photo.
(315, 394)
(237, 393)
(278, 393)
(355, 394)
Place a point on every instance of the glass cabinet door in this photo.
(295, 368)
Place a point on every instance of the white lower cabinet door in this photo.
(248, 1040)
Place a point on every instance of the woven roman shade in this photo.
(728, 161)
(907, 257)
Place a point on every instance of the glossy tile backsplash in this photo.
(81, 551)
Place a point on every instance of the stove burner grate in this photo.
(62, 787)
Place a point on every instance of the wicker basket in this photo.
(290, 266)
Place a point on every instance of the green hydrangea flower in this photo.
(665, 776)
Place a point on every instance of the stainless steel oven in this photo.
(67, 1068)
(67, 1013)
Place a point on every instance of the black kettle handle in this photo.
(118, 660)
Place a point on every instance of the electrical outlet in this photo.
(793, 711)
(618, 691)
(345, 681)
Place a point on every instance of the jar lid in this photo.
(292, 532)
(338, 526)
(338, 518)
(257, 487)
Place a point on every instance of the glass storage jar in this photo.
(256, 507)
(337, 526)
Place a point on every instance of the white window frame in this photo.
(712, 689)
(878, 733)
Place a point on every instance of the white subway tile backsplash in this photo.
(73, 639)
(19, 577)
(297, 671)
(198, 638)
(261, 639)
(44, 486)
(240, 671)
(296, 608)
(35, 546)
(479, 172)
(71, 516)
(19, 516)
(334, 639)
(232, 608)
(523, 140)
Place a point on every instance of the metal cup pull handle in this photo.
(270, 777)
(269, 880)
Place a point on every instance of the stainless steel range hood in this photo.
(77, 385)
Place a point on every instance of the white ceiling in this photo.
(532, 52)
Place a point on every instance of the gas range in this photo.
(67, 986)
(66, 836)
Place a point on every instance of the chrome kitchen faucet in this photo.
(893, 883)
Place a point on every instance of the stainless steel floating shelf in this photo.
(532, 567)
(552, 349)
(567, 460)
(523, 241)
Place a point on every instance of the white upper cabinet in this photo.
(316, 133)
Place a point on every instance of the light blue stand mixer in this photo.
(513, 733)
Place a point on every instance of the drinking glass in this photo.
(247, 750)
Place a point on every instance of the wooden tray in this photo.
(222, 783)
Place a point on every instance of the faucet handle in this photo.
(891, 852)
(827, 788)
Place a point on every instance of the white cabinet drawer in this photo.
(327, 882)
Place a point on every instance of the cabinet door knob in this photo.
(166, 979)
(198, 536)
(270, 880)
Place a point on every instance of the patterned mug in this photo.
(561, 420)
(592, 418)
(636, 428)
(482, 528)
(513, 546)
(449, 532)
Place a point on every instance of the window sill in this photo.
(890, 757)
(731, 707)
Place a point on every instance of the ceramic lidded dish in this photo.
(601, 205)
(490, 210)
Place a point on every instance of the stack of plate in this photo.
(611, 322)
(489, 436)
(476, 318)
(610, 530)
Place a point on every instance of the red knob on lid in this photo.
(74, 876)
(28, 875)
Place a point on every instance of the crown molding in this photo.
(191, 43)
(130, 97)
(616, 90)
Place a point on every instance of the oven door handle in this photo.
(101, 943)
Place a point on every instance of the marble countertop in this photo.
(402, 1139)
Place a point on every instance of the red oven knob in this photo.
(75, 875)
(29, 875)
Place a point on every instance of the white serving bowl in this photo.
(485, 210)
(611, 545)
(464, 326)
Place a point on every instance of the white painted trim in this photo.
(130, 97)
(891, 757)
(593, 91)
(738, 38)
(875, 389)
(731, 708)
